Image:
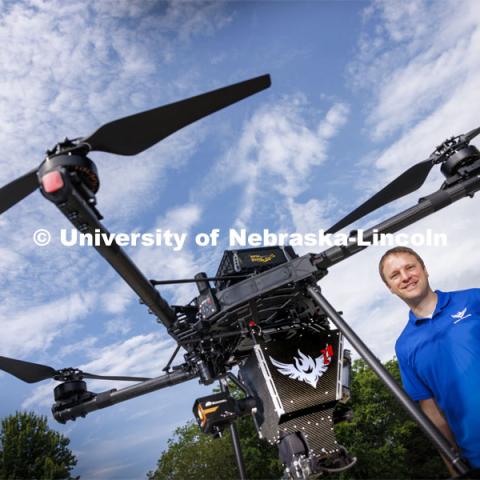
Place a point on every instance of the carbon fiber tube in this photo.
(111, 397)
(82, 217)
(237, 449)
(426, 206)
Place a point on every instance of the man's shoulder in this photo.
(469, 294)
(466, 291)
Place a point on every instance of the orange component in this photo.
(203, 412)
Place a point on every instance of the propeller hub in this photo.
(68, 374)
(82, 165)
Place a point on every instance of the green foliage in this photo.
(386, 442)
(30, 450)
(192, 455)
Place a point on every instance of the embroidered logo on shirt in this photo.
(461, 315)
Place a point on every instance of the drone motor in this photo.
(66, 394)
(461, 158)
(70, 391)
(53, 171)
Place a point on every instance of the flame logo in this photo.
(304, 369)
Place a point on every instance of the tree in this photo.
(192, 455)
(386, 442)
(30, 450)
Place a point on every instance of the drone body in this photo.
(265, 315)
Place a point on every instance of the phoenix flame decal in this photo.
(304, 369)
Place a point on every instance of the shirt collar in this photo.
(442, 301)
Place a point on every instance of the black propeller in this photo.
(409, 181)
(17, 190)
(35, 372)
(135, 133)
(472, 134)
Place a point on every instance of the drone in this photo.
(262, 321)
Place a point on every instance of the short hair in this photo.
(394, 251)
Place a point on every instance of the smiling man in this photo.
(439, 350)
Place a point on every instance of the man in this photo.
(439, 350)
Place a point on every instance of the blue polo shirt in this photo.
(439, 357)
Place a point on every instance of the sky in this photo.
(360, 92)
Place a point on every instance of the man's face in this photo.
(406, 277)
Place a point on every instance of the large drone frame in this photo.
(299, 269)
(75, 198)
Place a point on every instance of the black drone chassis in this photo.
(305, 270)
(76, 183)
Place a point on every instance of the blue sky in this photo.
(360, 92)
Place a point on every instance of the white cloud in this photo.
(118, 326)
(82, 346)
(311, 216)
(334, 120)
(416, 57)
(276, 153)
(420, 140)
(141, 355)
(40, 396)
(35, 328)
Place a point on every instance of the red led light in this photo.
(52, 182)
(252, 324)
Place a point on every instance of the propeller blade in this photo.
(135, 133)
(109, 377)
(409, 181)
(34, 372)
(26, 371)
(17, 190)
(472, 134)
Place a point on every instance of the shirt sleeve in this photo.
(412, 384)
